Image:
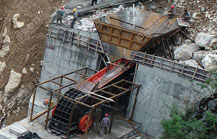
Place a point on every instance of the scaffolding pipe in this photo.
(89, 115)
(134, 105)
(48, 111)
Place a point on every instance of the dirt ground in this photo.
(27, 43)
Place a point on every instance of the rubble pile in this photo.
(87, 24)
(201, 54)
(203, 13)
(203, 31)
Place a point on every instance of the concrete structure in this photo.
(161, 91)
(61, 58)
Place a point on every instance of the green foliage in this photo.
(178, 128)
(181, 126)
(211, 83)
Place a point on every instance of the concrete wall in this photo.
(160, 91)
(61, 58)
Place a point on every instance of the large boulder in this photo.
(6, 43)
(2, 66)
(16, 23)
(185, 52)
(13, 83)
(191, 63)
(209, 62)
(199, 55)
(203, 40)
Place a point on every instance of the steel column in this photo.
(134, 105)
(49, 107)
(89, 115)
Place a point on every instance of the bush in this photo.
(178, 128)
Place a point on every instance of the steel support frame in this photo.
(77, 100)
(56, 91)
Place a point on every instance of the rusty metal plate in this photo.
(133, 29)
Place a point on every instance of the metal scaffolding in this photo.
(99, 97)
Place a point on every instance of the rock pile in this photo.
(204, 15)
(199, 54)
(203, 29)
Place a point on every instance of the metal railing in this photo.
(139, 57)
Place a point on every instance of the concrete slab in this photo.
(18, 130)
(120, 129)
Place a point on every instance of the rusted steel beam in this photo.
(69, 79)
(106, 92)
(138, 132)
(64, 86)
(96, 92)
(134, 105)
(113, 97)
(61, 76)
(81, 74)
(59, 92)
(41, 113)
(89, 116)
(73, 100)
(119, 87)
(45, 88)
(117, 65)
(55, 82)
(33, 103)
(124, 92)
(48, 111)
